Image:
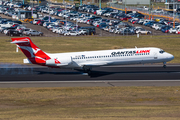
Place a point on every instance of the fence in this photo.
(165, 14)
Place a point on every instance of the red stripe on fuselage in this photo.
(142, 51)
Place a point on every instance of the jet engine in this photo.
(59, 61)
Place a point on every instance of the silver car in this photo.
(34, 33)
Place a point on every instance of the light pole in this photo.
(66, 18)
(100, 4)
(149, 9)
(125, 7)
(49, 11)
(173, 16)
(32, 10)
(80, 2)
(76, 26)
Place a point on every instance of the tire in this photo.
(30, 35)
(11, 35)
(40, 35)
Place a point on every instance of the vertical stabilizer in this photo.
(32, 52)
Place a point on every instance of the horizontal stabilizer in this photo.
(27, 61)
(20, 40)
(16, 42)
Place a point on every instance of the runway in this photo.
(131, 75)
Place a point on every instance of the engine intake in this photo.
(59, 62)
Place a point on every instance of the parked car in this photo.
(34, 33)
(28, 19)
(14, 33)
(83, 31)
(142, 31)
(126, 32)
(165, 29)
(26, 30)
(173, 30)
(74, 33)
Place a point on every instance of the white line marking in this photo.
(102, 81)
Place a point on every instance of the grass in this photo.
(170, 44)
(91, 103)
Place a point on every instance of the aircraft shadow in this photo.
(95, 74)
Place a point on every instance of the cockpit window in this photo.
(161, 51)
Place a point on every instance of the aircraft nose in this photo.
(170, 56)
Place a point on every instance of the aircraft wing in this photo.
(99, 63)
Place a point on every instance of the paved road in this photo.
(33, 76)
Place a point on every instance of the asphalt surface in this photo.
(136, 75)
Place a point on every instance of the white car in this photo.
(142, 31)
(116, 30)
(158, 11)
(83, 32)
(158, 26)
(99, 12)
(79, 19)
(107, 14)
(9, 24)
(73, 33)
(55, 29)
(173, 30)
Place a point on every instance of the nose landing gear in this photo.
(164, 64)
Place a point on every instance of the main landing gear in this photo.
(87, 70)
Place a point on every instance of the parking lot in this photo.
(99, 31)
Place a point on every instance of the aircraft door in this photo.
(155, 55)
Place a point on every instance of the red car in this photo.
(124, 18)
(38, 22)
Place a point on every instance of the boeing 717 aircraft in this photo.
(89, 59)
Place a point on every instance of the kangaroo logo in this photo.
(36, 50)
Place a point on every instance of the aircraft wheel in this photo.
(164, 64)
(87, 70)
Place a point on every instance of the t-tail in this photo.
(32, 52)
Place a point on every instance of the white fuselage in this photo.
(111, 57)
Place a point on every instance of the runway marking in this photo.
(110, 84)
(102, 81)
(140, 65)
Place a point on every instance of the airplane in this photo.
(88, 59)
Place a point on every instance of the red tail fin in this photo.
(32, 52)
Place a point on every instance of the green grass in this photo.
(90, 103)
(170, 44)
